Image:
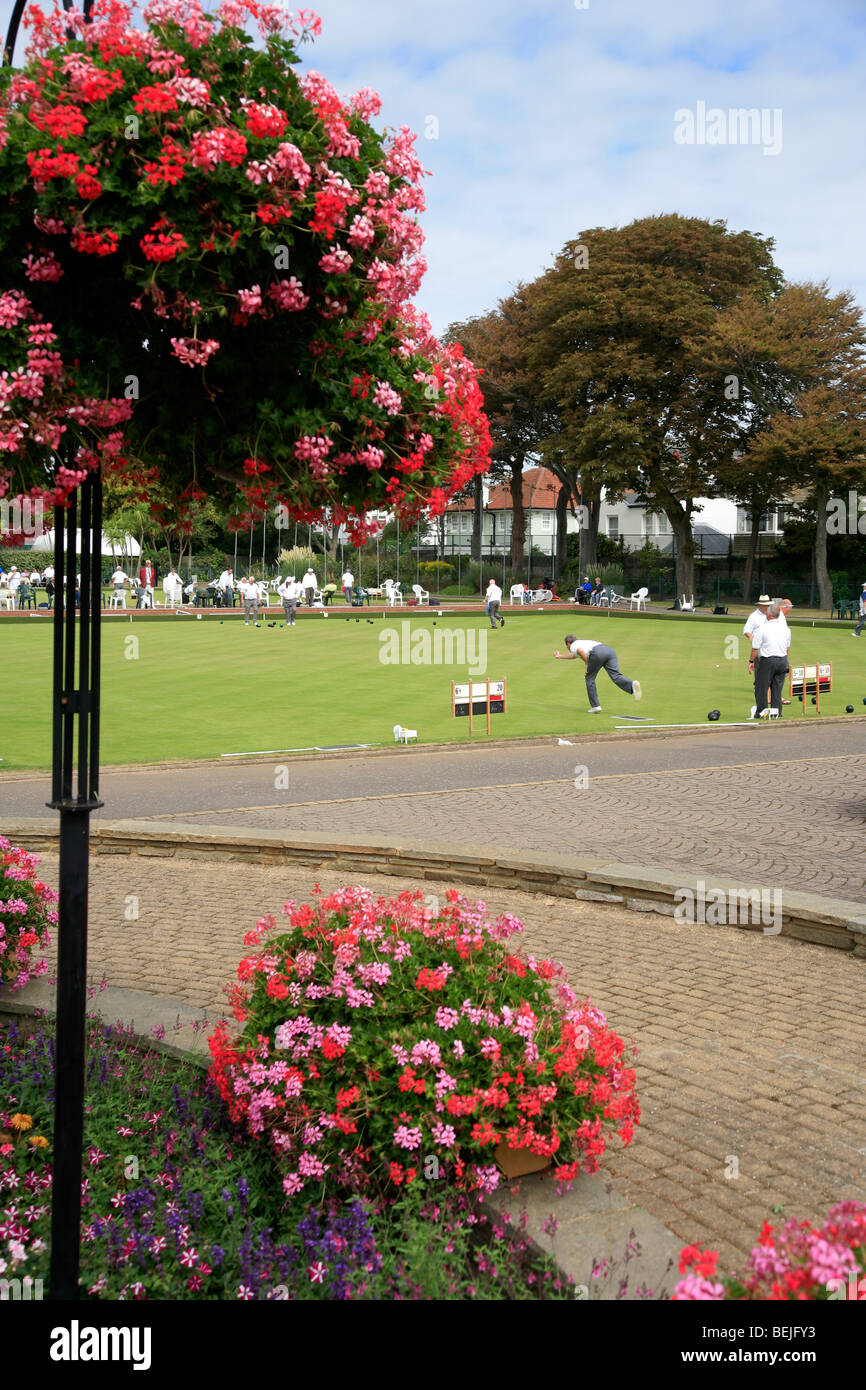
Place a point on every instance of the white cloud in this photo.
(562, 119)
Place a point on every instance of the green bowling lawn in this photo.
(181, 688)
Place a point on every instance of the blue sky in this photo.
(553, 118)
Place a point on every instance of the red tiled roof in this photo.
(540, 489)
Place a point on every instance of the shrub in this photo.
(26, 911)
(297, 560)
(436, 576)
(383, 1043)
(799, 1262)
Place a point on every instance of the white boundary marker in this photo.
(316, 748)
(714, 724)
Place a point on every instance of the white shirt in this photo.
(48, 572)
(310, 580)
(248, 588)
(118, 579)
(582, 645)
(13, 581)
(348, 579)
(863, 602)
(226, 580)
(291, 589)
(772, 638)
(754, 620)
(494, 593)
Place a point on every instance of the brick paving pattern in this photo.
(750, 1047)
(784, 825)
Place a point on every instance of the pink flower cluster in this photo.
(336, 261)
(289, 294)
(386, 397)
(26, 912)
(194, 352)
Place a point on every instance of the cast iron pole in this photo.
(71, 703)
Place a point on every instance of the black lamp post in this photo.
(74, 796)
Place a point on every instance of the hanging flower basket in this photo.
(207, 265)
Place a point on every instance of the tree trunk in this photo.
(589, 536)
(825, 588)
(681, 525)
(518, 521)
(477, 517)
(561, 557)
(751, 552)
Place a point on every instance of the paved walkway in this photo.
(781, 807)
(751, 1048)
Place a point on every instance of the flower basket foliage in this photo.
(26, 912)
(385, 1043)
(207, 262)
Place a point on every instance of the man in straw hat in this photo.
(753, 622)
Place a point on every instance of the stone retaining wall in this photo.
(824, 921)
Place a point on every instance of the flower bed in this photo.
(26, 912)
(177, 1203)
(799, 1262)
(384, 1044)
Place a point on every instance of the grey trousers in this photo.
(604, 657)
(251, 605)
(772, 671)
(289, 608)
(862, 623)
(493, 612)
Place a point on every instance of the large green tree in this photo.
(619, 324)
(798, 366)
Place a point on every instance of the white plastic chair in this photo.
(422, 595)
(516, 594)
(392, 590)
(264, 595)
(7, 597)
(687, 605)
(639, 598)
(402, 735)
(117, 599)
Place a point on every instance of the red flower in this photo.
(46, 164)
(430, 979)
(155, 98)
(766, 1236)
(95, 243)
(263, 121)
(87, 183)
(61, 121)
(164, 246)
(169, 167)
